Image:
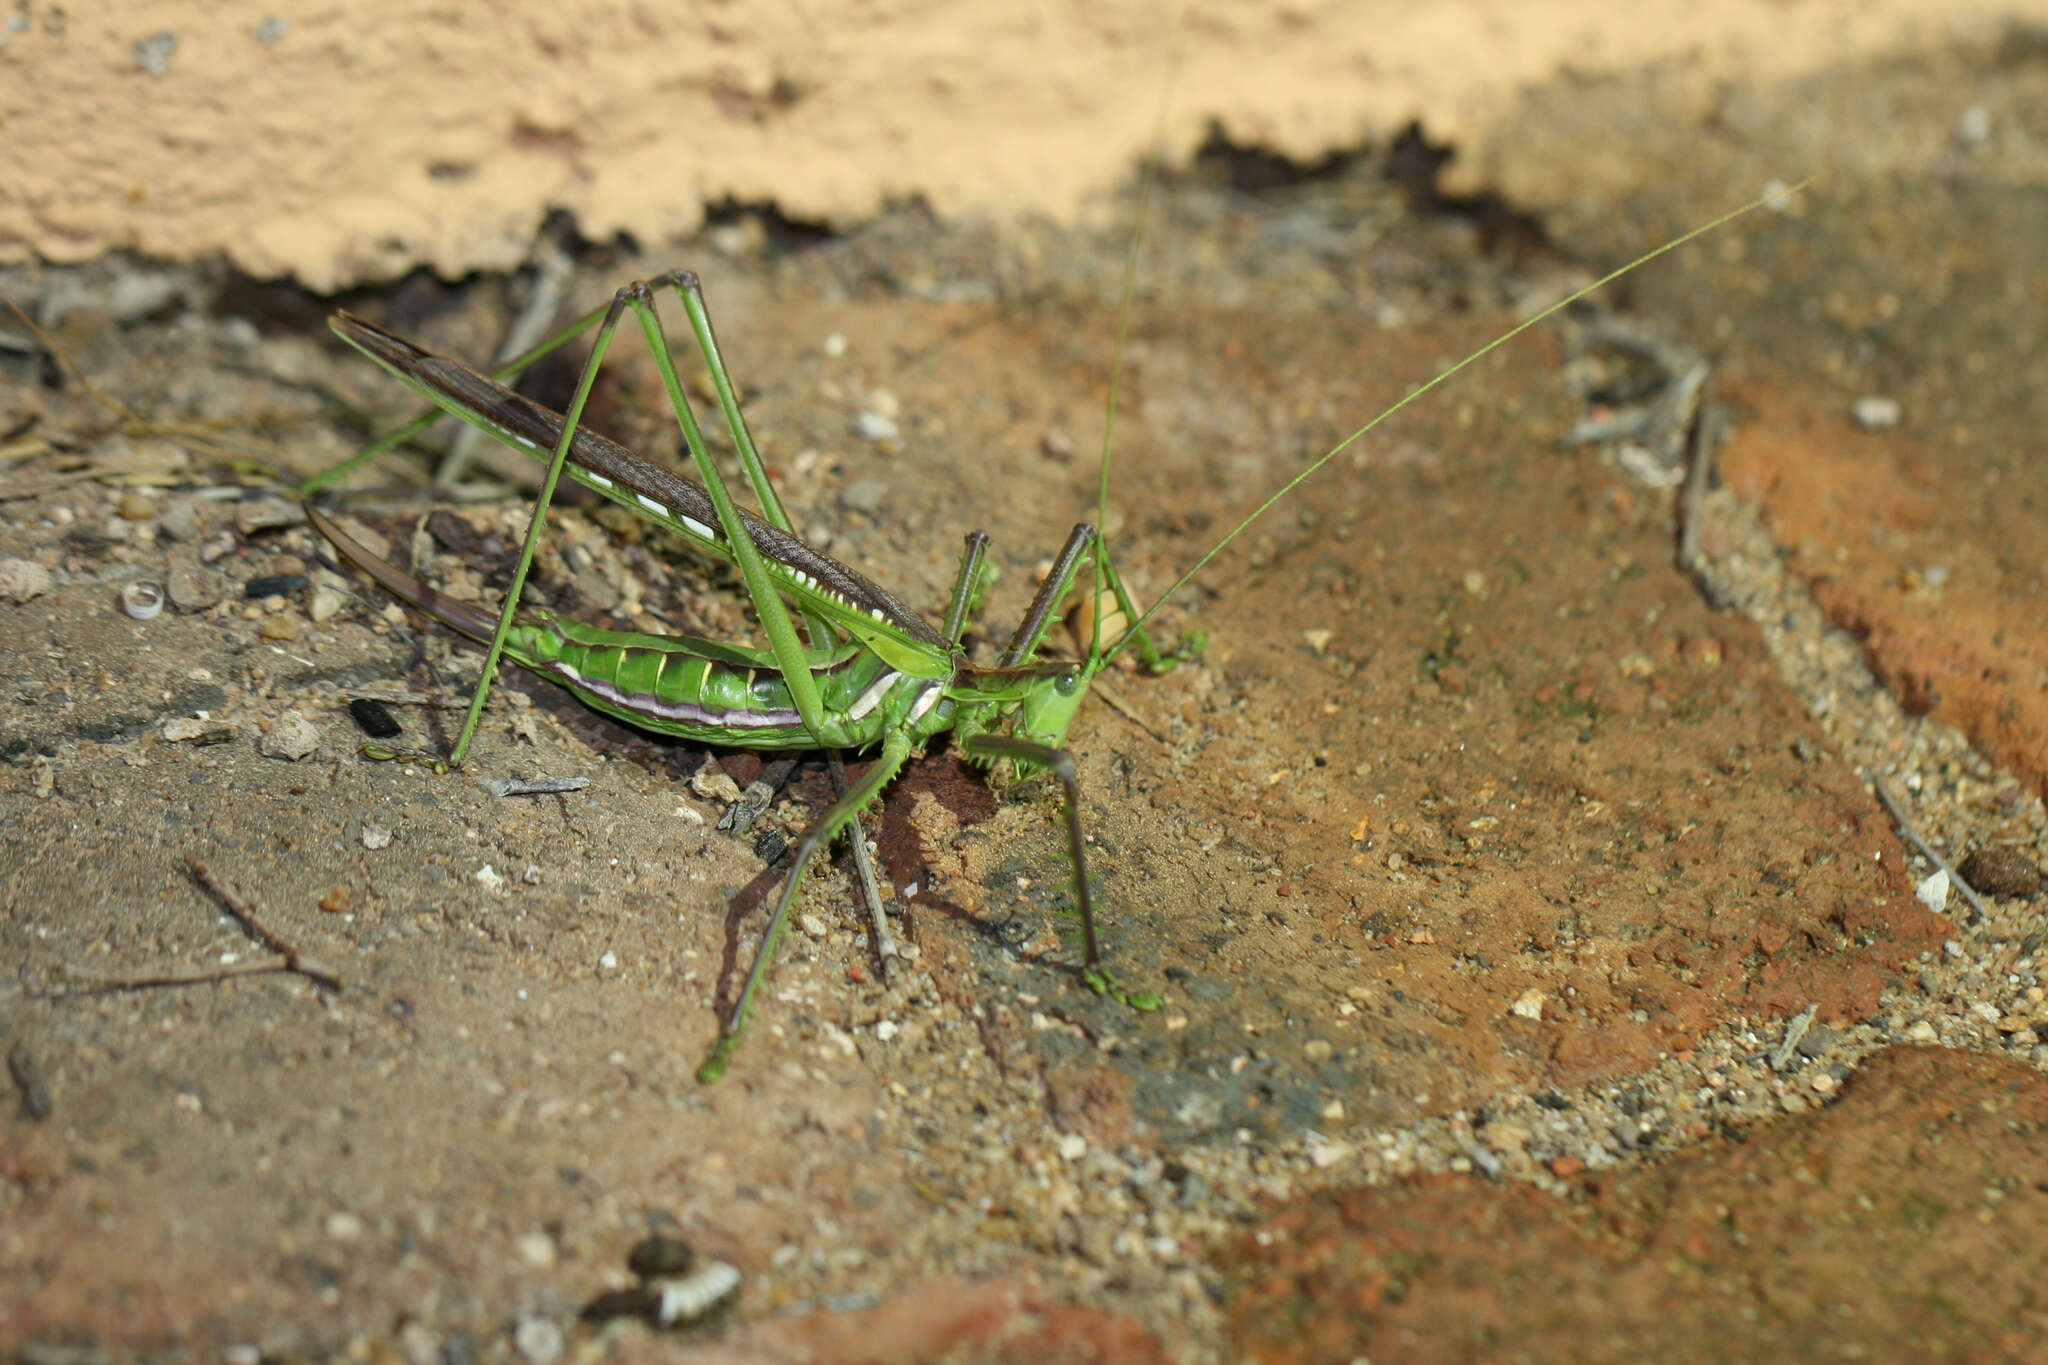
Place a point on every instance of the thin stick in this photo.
(1913, 837)
(194, 976)
(294, 961)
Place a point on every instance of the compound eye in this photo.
(1067, 684)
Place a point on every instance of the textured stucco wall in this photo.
(344, 143)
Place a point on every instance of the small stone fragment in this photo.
(537, 1249)
(873, 426)
(713, 784)
(28, 1079)
(266, 514)
(376, 837)
(1875, 413)
(136, 507)
(1998, 871)
(181, 519)
(865, 496)
(335, 901)
(279, 627)
(21, 579)
(326, 603)
(1933, 892)
(193, 588)
(1528, 1005)
(538, 1340)
(292, 736)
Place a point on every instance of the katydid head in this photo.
(1051, 700)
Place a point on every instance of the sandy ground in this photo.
(1535, 954)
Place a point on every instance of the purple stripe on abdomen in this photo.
(688, 713)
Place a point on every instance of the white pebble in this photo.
(291, 737)
(1876, 413)
(873, 426)
(835, 345)
(1072, 1146)
(344, 1227)
(537, 1249)
(538, 1340)
(1933, 892)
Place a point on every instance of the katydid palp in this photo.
(867, 672)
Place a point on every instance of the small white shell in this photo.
(143, 599)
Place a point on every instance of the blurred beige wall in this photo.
(341, 143)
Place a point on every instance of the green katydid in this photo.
(874, 675)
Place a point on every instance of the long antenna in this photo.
(1146, 184)
(1775, 195)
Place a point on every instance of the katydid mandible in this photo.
(868, 672)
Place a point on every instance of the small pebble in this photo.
(376, 837)
(292, 736)
(835, 345)
(137, 507)
(21, 579)
(1974, 125)
(344, 1227)
(1933, 892)
(865, 496)
(326, 603)
(28, 1079)
(538, 1340)
(537, 1249)
(193, 588)
(1072, 1146)
(2001, 872)
(1875, 413)
(873, 426)
(811, 924)
(418, 1344)
(280, 628)
(374, 718)
(181, 519)
(713, 784)
(266, 514)
(335, 901)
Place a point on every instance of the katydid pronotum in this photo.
(866, 672)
